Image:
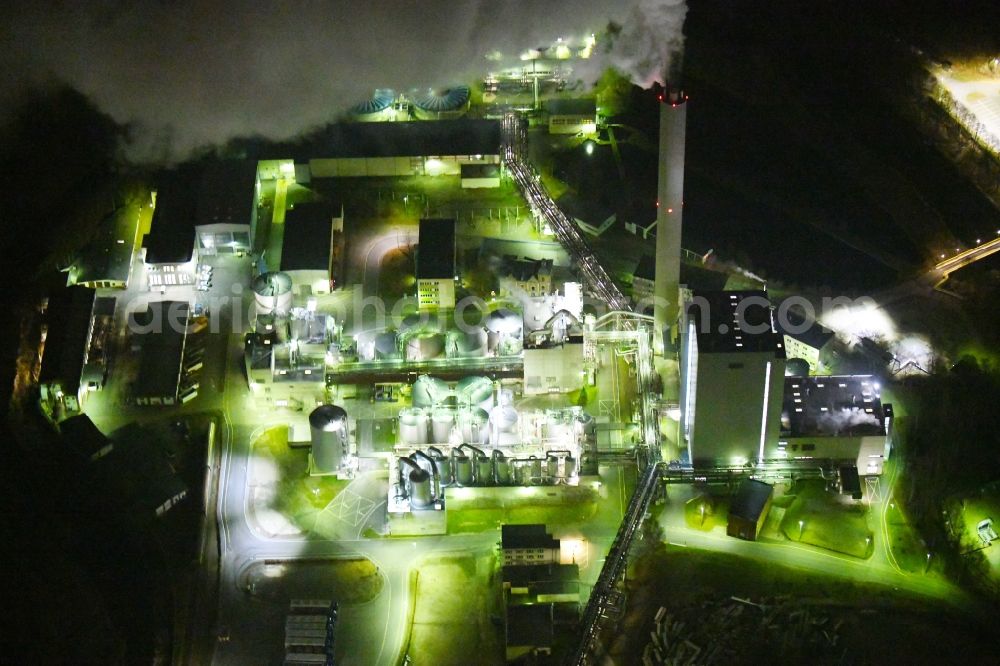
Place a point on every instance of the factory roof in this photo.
(68, 320)
(308, 236)
(585, 210)
(83, 437)
(808, 332)
(734, 322)
(160, 331)
(480, 170)
(108, 254)
(436, 249)
(832, 406)
(529, 625)
(526, 536)
(750, 499)
(524, 268)
(225, 192)
(522, 575)
(171, 235)
(404, 139)
(565, 106)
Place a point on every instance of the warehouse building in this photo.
(312, 246)
(66, 328)
(732, 374)
(159, 334)
(436, 264)
(837, 418)
(528, 545)
(572, 116)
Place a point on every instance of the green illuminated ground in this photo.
(456, 596)
(827, 521)
(473, 511)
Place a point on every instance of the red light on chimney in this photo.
(657, 203)
(659, 97)
(670, 210)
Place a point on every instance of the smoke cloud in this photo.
(836, 421)
(189, 74)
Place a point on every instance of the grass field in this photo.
(706, 513)
(347, 581)
(826, 522)
(480, 512)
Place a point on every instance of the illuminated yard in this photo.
(816, 517)
(485, 509)
(456, 596)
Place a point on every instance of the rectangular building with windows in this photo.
(436, 264)
(528, 544)
(732, 375)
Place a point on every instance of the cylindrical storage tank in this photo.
(534, 470)
(441, 103)
(442, 423)
(473, 423)
(475, 391)
(503, 324)
(421, 493)
(429, 391)
(569, 466)
(412, 426)
(328, 427)
(425, 347)
(386, 345)
(552, 467)
(484, 471)
(470, 343)
(504, 471)
(365, 343)
(504, 419)
(444, 469)
(463, 469)
(272, 292)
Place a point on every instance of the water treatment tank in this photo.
(412, 426)
(534, 469)
(444, 469)
(421, 493)
(504, 471)
(424, 347)
(569, 466)
(475, 391)
(442, 423)
(472, 424)
(386, 345)
(468, 344)
(329, 430)
(272, 292)
(429, 391)
(463, 469)
(484, 471)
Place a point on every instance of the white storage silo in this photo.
(329, 428)
(272, 292)
(442, 423)
(412, 426)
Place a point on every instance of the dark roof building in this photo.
(83, 437)
(171, 234)
(160, 332)
(308, 236)
(734, 321)
(526, 536)
(405, 139)
(566, 106)
(225, 192)
(832, 406)
(646, 268)
(106, 260)
(436, 249)
(480, 170)
(748, 509)
(67, 318)
(796, 326)
(525, 269)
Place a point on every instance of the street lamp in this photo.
(802, 524)
(589, 147)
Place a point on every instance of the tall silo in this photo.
(273, 292)
(328, 425)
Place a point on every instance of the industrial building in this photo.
(198, 212)
(528, 545)
(532, 277)
(808, 340)
(571, 116)
(837, 418)
(286, 352)
(66, 327)
(481, 175)
(312, 244)
(732, 374)
(158, 334)
(555, 368)
(436, 264)
(350, 150)
(748, 509)
(105, 262)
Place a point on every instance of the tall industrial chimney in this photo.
(670, 204)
